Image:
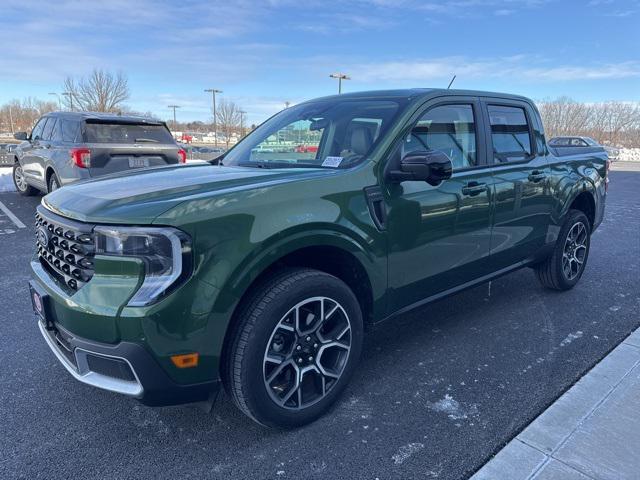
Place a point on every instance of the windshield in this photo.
(332, 133)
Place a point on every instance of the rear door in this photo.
(440, 237)
(117, 147)
(521, 174)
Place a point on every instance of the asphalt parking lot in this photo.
(437, 393)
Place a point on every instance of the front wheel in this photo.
(563, 269)
(20, 181)
(294, 349)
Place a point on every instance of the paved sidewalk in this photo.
(591, 432)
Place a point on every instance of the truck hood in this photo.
(139, 197)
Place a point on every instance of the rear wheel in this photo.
(294, 349)
(563, 269)
(20, 181)
(53, 183)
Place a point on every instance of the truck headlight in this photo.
(165, 251)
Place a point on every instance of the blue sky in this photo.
(263, 53)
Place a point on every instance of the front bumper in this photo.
(125, 367)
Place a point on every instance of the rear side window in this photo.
(126, 133)
(68, 130)
(48, 128)
(510, 133)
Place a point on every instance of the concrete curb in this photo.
(590, 432)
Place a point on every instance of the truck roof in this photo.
(414, 93)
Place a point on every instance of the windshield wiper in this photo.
(145, 140)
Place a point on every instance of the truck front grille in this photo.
(65, 248)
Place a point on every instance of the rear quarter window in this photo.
(126, 133)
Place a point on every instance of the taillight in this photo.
(606, 178)
(81, 157)
(182, 156)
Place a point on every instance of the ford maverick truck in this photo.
(262, 274)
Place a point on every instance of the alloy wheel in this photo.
(307, 353)
(18, 177)
(575, 250)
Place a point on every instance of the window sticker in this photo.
(332, 162)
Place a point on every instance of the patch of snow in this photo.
(454, 409)
(405, 451)
(6, 180)
(570, 338)
(614, 308)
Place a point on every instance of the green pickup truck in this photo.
(261, 274)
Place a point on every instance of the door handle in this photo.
(472, 189)
(537, 176)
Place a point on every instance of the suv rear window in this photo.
(126, 133)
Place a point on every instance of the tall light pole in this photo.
(174, 115)
(59, 101)
(213, 92)
(242, 114)
(11, 119)
(340, 77)
(70, 95)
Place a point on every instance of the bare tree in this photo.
(20, 116)
(228, 118)
(614, 123)
(101, 91)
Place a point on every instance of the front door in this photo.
(32, 155)
(523, 199)
(440, 237)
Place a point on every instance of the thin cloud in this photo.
(513, 68)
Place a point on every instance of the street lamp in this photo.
(242, 114)
(340, 77)
(174, 115)
(70, 95)
(213, 92)
(59, 101)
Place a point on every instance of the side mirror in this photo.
(21, 136)
(431, 166)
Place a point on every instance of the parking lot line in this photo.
(10, 214)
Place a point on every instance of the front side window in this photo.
(48, 128)
(36, 133)
(510, 133)
(335, 133)
(448, 128)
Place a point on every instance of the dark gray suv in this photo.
(67, 146)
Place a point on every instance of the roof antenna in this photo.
(451, 82)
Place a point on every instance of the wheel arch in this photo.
(582, 198)
(328, 251)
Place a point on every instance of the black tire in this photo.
(244, 368)
(552, 272)
(53, 183)
(22, 187)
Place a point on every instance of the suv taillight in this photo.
(81, 157)
(182, 156)
(606, 180)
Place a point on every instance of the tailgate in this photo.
(107, 159)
